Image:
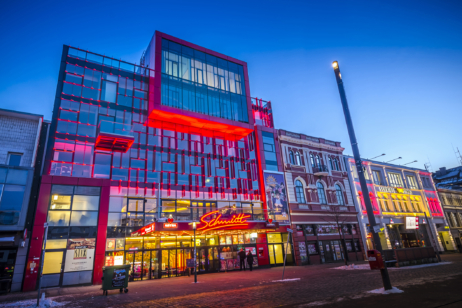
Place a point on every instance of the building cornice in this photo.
(311, 144)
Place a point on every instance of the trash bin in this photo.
(115, 278)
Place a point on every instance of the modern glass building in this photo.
(137, 152)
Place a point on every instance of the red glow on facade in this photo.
(171, 225)
(218, 223)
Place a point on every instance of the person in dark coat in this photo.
(250, 260)
(242, 259)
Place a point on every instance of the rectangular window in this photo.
(377, 177)
(395, 179)
(412, 182)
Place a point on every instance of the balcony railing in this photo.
(320, 170)
(116, 137)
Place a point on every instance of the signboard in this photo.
(214, 221)
(276, 194)
(118, 278)
(172, 225)
(145, 230)
(391, 221)
(394, 190)
(251, 249)
(412, 223)
(190, 263)
(80, 254)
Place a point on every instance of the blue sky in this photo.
(400, 61)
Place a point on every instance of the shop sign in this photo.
(80, 254)
(172, 225)
(394, 190)
(391, 221)
(412, 223)
(219, 223)
(145, 230)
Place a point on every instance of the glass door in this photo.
(214, 262)
(328, 253)
(138, 265)
(155, 268)
(164, 264)
(129, 259)
(276, 254)
(146, 271)
(173, 268)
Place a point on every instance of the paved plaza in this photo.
(319, 286)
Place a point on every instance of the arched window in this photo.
(299, 192)
(298, 161)
(321, 193)
(313, 163)
(339, 194)
(331, 164)
(318, 161)
(291, 157)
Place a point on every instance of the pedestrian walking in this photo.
(242, 258)
(250, 260)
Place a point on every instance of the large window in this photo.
(199, 82)
(73, 206)
(291, 157)
(299, 191)
(298, 160)
(321, 193)
(12, 189)
(339, 194)
(395, 179)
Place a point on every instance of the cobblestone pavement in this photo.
(319, 285)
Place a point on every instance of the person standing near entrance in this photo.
(250, 260)
(242, 259)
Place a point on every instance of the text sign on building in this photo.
(412, 223)
(393, 190)
(171, 225)
(217, 222)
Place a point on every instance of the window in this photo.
(14, 159)
(339, 194)
(377, 177)
(299, 192)
(12, 189)
(298, 160)
(313, 163)
(321, 193)
(412, 182)
(73, 206)
(331, 163)
(318, 161)
(291, 158)
(395, 179)
(269, 148)
(336, 164)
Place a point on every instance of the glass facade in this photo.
(269, 148)
(196, 81)
(12, 188)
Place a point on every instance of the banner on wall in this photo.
(80, 254)
(276, 194)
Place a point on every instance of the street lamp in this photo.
(410, 163)
(393, 159)
(360, 169)
(377, 156)
(195, 256)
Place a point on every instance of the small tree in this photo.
(336, 214)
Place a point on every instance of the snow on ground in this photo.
(382, 291)
(284, 280)
(354, 267)
(32, 303)
(420, 266)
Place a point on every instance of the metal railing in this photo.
(320, 168)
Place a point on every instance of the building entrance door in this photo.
(134, 259)
(328, 253)
(276, 254)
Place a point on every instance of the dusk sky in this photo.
(401, 61)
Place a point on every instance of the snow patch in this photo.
(353, 267)
(285, 280)
(383, 291)
(420, 266)
(32, 303)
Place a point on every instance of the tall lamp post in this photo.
(360, 169)
(195, 256)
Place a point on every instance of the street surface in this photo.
(319, 286)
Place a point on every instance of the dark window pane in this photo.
(9, 218)
(120, 174)
(58, 232)
(102, 166)
(12, 197)
(15, 160)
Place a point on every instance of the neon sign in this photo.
(217, 223)
(147, 229)
(171, 225)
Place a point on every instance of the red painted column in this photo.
(36, 241)
(102, 233)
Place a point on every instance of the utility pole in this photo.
(362, 180)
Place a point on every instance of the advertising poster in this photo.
(251, 249)
(80, 254)
(276, 194)
(302, 249)
(118, 278)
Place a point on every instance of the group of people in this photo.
(243, 258)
